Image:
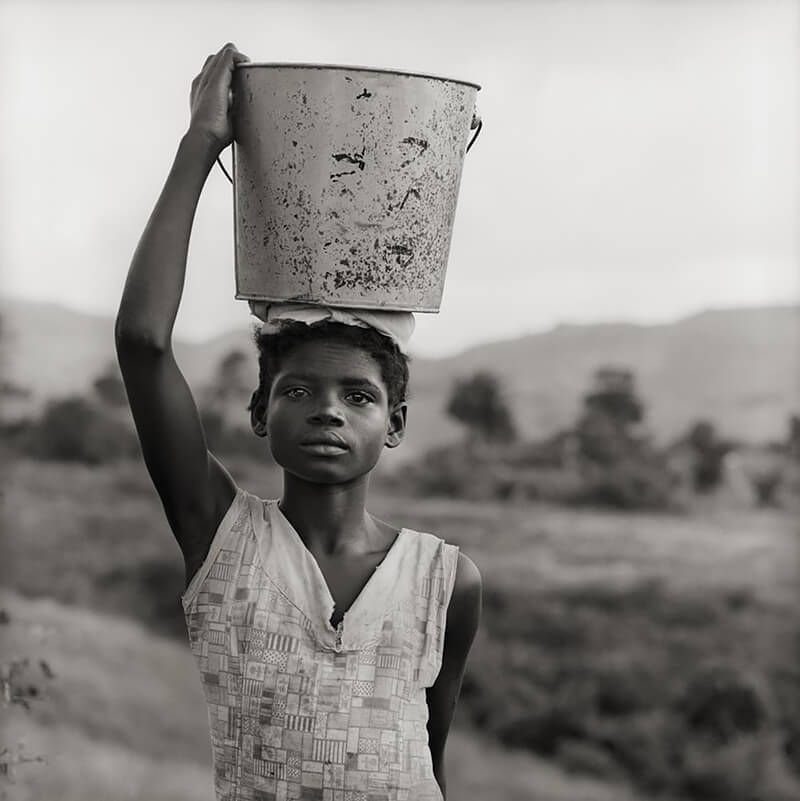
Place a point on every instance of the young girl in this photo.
(331, 645)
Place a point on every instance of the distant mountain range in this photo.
(739, 368)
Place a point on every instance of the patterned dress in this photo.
(299, 709)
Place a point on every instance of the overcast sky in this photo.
(638, 161)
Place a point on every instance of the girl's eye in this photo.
(295, 392)
(359, 398)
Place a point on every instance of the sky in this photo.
(638, 160)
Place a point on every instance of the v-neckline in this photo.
(321, 576)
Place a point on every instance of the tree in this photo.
(477, 402)
(607, 430)
(709, 455)
(766, 486)
(614, 396)
(74, 430)
(618, 465)
(109, 387)
(223, 406)
(232, 380)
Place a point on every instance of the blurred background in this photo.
(605, 415)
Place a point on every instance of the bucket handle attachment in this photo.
(222, 167)
(476, 125)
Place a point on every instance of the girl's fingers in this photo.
(212, 63)
(225, 53)
(223, 60)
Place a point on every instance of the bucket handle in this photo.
(219, 160)
(476, 125)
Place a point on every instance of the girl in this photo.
(331, 645)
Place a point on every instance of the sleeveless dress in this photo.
(299, 709)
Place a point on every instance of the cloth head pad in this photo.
(397, 325)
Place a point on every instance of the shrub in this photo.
(232, 440)
(454, 472)
(709, 455)
(109, 387)
(152, 587)
(765, 486)
(541, 732)
(720, 704)
(74, 429)
(629, 483)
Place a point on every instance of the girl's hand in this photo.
(210, 97)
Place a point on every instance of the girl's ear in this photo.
(258, 414)
(397, 425)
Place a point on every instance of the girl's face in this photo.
(328, 417)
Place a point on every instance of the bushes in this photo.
(605, 459)
(629, 483)
(78, 429)
(74, 429)
(152, 587)
(453, 472)
(461, 471)
(226, 439)
(614, 681)
(719, 704)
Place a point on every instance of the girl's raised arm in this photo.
(193, 486)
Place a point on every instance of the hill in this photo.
(738, 367)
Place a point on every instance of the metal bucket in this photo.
(345, 183)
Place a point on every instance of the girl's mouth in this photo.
(323, 448)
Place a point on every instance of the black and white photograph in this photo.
(400, 401)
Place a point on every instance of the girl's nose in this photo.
(327, 412)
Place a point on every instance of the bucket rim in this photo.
(338, 303)
(353, 68)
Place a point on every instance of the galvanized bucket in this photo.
(345, 183)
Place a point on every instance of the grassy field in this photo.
(619, 656)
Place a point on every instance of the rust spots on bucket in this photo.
(352, 158)
(422, 144)
(355, 158)
(403, 253)
(409, 191)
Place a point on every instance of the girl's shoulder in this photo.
(426, 554)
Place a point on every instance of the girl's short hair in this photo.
(274, 346)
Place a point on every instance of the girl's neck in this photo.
(330, 519)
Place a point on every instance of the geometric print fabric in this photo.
(297, 710)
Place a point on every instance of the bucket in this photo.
(345, 183)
